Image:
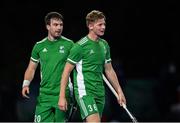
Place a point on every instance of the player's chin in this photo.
(57, 35)
(101, 34)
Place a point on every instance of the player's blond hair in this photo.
(93, 16)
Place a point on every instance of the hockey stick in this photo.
(72, 112)
(115, 93)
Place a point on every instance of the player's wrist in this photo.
(25, 83)
(119, 91)
(62, 95)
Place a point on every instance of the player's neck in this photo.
(93, 37)
(51, 38)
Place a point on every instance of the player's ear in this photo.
(47, 26)
(90, 26)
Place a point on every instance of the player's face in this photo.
(55, 28)
(98, 27)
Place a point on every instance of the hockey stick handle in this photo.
(110, 87)
(115, 93)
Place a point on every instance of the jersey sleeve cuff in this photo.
(71, 61)
(34, 60)
(108, 60)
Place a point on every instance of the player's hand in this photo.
(25, 91)
(62, 104)
(121, 99)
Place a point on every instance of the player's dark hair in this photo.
(52, 15)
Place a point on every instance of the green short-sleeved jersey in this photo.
(52, 56)
(89, 57)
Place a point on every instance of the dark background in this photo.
(143, 36)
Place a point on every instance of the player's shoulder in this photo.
(41, 41)
(67, 39)
(82, 41)
(103, 40)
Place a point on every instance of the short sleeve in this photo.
(108, 54)
(75, 54)
(35, 54)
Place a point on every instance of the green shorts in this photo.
(49, 114)
(89, 105)
(47, 110)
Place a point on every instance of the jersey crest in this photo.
(61, 49)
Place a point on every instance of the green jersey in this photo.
(52, 56)
(89, 57)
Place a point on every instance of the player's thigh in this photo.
(43, 114)
(93, 118)
(87, 106)
(60, 116)
(100, 102)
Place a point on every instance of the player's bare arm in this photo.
(64, 81)
(28, 76)
(112, 77)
